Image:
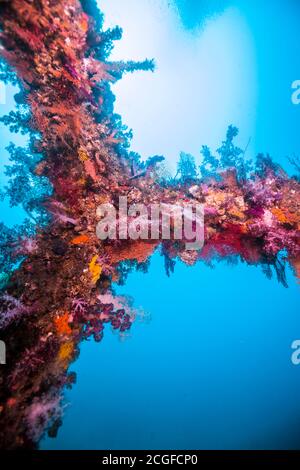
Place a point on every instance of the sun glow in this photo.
(204, 80)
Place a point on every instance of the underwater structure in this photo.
(56, 275)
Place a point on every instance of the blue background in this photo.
(212, 368)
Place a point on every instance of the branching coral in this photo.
(12, 310)
(41, 413)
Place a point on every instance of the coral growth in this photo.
(12, 310)
(54, 266)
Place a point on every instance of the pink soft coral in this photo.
(11, 310)
(41, 413)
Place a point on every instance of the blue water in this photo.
(212, 368)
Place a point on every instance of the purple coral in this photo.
(79, 306)
(27, 246)
(59, 217)
(41, 413)
(263, 193)
(121, 320)
(11, 310)
(34, 359)
(94, 328)
(280, 239)
(57, 209)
